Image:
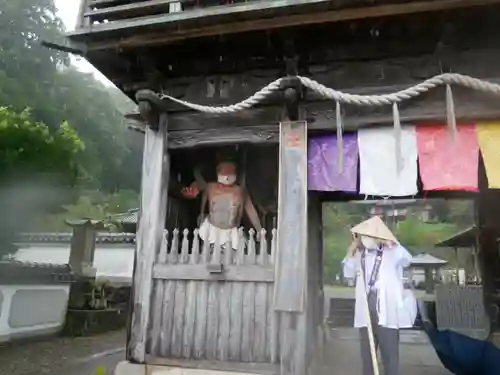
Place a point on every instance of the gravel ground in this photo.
(62, 355)
(82, 356)
(342, 357)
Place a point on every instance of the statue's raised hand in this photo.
(190, 192)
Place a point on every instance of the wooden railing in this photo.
(214, 301)
(183, 247)
(461, 308)
(104, 11)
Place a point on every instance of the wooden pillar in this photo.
(315, 306)
(289, 294)
(488, 205)
(82, 248)
(429, 282)
(291, 278)
(475, 260)
(151, 223)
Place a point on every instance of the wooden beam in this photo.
(203, 13)
(206, 366)
(70, 47)
(200, 272)
(154, 195)
(123, 10)
(259, 133)
(280, 21)
(291, 258)
(99, 3)
(373, 76)
(260, 124)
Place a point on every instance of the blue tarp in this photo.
(463, 355)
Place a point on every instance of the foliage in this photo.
(28, 147)
(337, 219)
(73, 137)
(36, 168)
(422, 236)
(92, 205)
(455, 211)
(43, 79)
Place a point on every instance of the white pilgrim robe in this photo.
(397, 307)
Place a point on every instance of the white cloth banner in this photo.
(378, 165)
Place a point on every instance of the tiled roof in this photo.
(66, 237)
(129, 217)
(15, 272)
(427, 259)
(16, 263)
(465, 238)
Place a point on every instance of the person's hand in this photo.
(190, 192)
(389, 245)
(258, 235)
(201, 218)
(355, 245)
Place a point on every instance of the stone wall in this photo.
(33, 299)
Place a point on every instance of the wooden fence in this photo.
(213, 302)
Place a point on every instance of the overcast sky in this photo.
(68, 12)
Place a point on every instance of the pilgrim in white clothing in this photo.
(396, 308)
(391, 306)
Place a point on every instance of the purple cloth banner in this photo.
(323, 172)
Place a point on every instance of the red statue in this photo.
(227, 201)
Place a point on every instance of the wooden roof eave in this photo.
(462, 239)
(253, 16)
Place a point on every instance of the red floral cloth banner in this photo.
(447, 164)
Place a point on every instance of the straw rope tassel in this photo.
(450, 113)
(340, 140)
(397, 136)
(369, 327)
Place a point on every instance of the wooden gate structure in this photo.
(214, 305)
(252, 309)
(197, 308)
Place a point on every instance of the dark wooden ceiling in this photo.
(372, 39)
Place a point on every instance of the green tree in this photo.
(29, 148)
(38, 168)
(90, 204)
(43, 80)
(338, 218)
(27, 70)
(419, 235)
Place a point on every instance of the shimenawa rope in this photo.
(446, 79)
(346, 98)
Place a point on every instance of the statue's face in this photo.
(226, 173)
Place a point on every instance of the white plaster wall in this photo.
(111, 261)
(31, 310)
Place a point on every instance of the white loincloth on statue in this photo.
(209, 232)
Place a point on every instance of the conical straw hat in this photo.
(374, 227)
